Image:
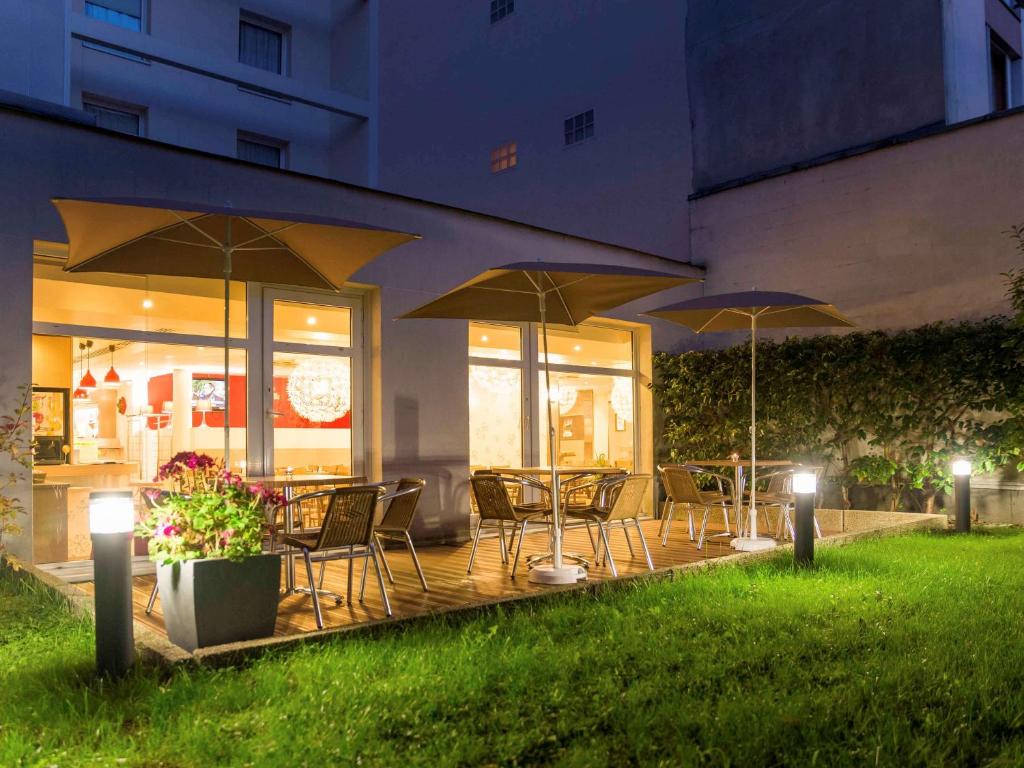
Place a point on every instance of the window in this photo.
(579, 127)
(260, 150)
(501, 8)
(503, 158)
(123, 119)
(261, 43)
(120, 13)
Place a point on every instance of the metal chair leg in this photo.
(312, 590)
(689, 520)
(629, 542)
(362, 579)
(703, 527)
(594, 543)
(664, 516)
(152, 597)
(383, 558)
(415, 561)
(668, 526)
(476, 543)
(320, 579)
(351, 565)
(643, 543)
(380, 581)
(609, 558)
(519, 546)
(501, 542)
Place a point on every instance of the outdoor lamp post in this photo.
(962, 494)
(805, 485)
(111, 522)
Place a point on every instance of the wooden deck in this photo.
(450, 586)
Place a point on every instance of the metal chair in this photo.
(153, 498)
(779, 494)
(396, 523)
(681, 488)
(496, 508)
(617, 499)
(345, 534)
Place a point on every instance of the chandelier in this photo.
(622, 398)
(319, 388)
(566, 397)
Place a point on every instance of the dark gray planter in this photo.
(217, 601)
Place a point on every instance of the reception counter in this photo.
(101, 475)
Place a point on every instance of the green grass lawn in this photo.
(900, 651)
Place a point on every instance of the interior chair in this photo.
(681, 490)
(346, 533)
(396, 523)
(617, 499)
(496, 508)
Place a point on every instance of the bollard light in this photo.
(962, 494)
(111, 522)
(805, 486)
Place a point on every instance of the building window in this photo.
(503, 158)
(501, 8)
(121, 119)
(261, 43)
(579, 127)
(121, 13)
(261, 150)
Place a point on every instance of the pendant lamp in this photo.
(88, 380)
(112, 379)
(80, 393)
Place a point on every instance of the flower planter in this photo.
(217, 601)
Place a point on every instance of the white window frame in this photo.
(271, 25)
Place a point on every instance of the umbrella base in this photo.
(548, 574)
(747, 544)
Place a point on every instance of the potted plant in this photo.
(206, 536)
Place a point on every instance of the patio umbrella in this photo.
(753, 310)
(546, 292)
(165, 237)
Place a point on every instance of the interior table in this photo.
(287, 484)
(739, 466)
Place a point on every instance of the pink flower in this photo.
(170, 530)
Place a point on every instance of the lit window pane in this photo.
(595, 419)
(312, 324)
(313, 414)
(495, 417)
(588, 345)
(500, 342)
(155, 303)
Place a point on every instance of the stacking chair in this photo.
(779, 494)
(345, 534)
(153, 498)
(496, 508)
(396, 523)
(681, 489)
(616, 499)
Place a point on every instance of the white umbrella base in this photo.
(548, 574)
(753, 545)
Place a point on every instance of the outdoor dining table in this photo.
(738, 467)
(561, 472)
(287, 483)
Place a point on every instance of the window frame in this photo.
(274, 26)
(280, 145)
(501, 10)
(568, 135)
(510, 156)
(112, 105)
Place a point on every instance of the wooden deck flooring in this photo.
(450, 586)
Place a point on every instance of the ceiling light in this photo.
(112, 379)
(485, 338)
(319, 389)
(577, 348)
(310, 320)
(147, 303)
(88, 380)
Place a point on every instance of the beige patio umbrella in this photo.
(145, 236)
(740, 312)
(543, 292)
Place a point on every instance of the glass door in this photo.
(312, 383)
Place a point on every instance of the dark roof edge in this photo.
(924, 132)
(36, 108)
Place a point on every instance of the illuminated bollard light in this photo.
(962, 494)
(805, 485)
(111, 522)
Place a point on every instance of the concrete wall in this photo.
(422, 409)
(33, 49)
(779, 82)
(895, 238)
(454, 87)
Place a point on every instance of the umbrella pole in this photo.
(227, 347)
(753, 426)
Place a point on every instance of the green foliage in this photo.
(914, 399)
(15, 434)
(212, 513)
(890, 652)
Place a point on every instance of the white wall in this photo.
(966, 51)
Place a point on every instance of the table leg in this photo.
(739, 486)
(289, 559)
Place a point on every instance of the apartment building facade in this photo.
(284, 84)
